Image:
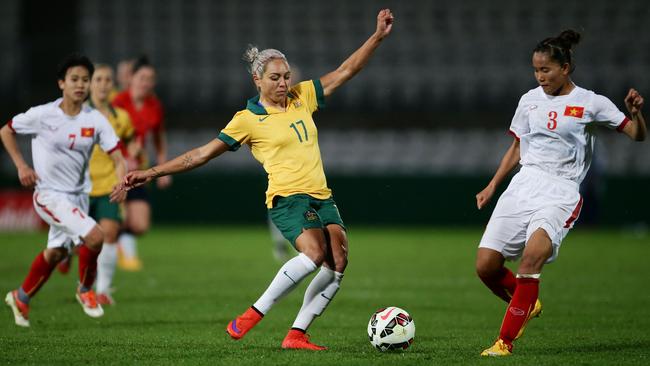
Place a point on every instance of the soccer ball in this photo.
(391, 328)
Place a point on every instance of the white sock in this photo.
(317, 285)
(128, 245)
(106, 267)
(289, 275)
(318, 295)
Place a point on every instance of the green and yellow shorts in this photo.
(294, 213)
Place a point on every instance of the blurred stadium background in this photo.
(409, 141)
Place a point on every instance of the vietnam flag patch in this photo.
(87, 131)
(573, 111)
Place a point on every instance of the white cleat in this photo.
(19, 308)
(88, 301)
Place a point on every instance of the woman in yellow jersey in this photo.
(278, 127)
(103, 177)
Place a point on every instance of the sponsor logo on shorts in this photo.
(311, 215)
(516, 311)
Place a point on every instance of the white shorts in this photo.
(67, 215)
(533, 200)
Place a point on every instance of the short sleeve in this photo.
(26, 123)
(606, 113)
(125, 128)
(237, 132)
(106, 137)
(311, 92)
(519, 125)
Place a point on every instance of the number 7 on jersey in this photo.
(293, 125)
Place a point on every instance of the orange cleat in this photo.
(297, 339)
(243, 323)
(104, 298)
(129, 264)
(88, 301)
(19, 308)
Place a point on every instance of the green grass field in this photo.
(596, 299)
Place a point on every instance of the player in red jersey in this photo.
(146, 112)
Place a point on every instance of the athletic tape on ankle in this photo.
(527, 275)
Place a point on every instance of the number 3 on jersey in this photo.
(304, 129)
(552, 120)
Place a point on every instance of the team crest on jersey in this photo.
(311, 215)
(574, 111)
(87, 131)
(297, 104)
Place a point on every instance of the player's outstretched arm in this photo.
(360, 57)
(508, 162)
(188, 161)
(26, 174)
(636, 130)
(160, 144)
(120, 172)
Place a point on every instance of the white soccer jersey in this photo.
(62, 144)
(557, 133)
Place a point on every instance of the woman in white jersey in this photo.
(553, 129)
(63, 135)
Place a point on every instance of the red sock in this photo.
(503, 284)
(87, 266)
(38, 274)
(522, 303)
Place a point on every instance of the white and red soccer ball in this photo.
(391, 328)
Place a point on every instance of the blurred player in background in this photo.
(146, 113)
(63, 135)
(104, 178)
(278, 127)
(553, 129)
(123, 77)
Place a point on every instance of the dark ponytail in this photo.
(560, 48)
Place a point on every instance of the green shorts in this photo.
(294, 213)
(102, 208)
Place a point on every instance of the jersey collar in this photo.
(110, 107)
(254, 105)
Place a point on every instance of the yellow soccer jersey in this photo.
(286, 143)
(102, 168)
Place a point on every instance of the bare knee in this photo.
(111, 229)
(312, 244)
(488, 263)
(138, 217)
(338, 246)
(55, 255)
(316, 254)
(94, 238)
(138, 227)
(341, 264)
(532, 263)
(538, 250)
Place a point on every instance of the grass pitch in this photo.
(596, 300)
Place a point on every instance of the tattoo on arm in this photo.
(188, 161)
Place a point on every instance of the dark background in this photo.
(456, 66)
